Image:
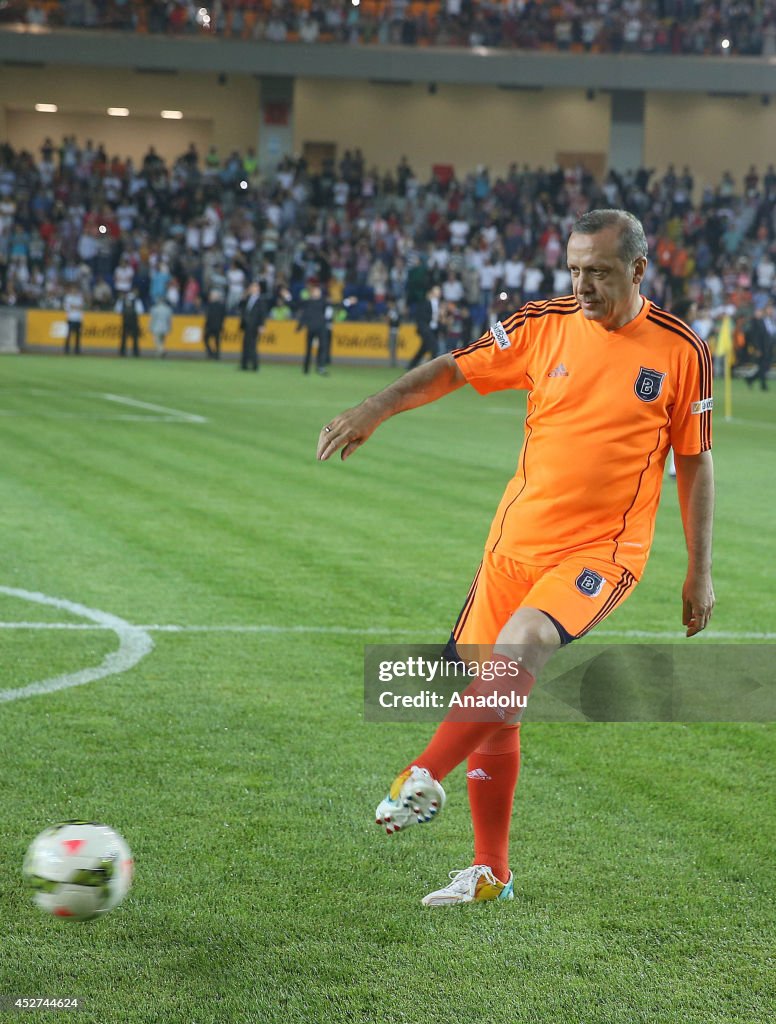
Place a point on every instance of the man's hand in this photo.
(349, 430)
(420, 386)
(697, 602)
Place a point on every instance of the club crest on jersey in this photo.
(649, 384)
(589, 583)
(500, 334)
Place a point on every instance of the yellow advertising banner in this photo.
(370, 341)
(281, 338)
(101, 331)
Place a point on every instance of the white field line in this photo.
(186, 417)
(92, 417)
(258, 628)
(646, 634)
(164, 414)
(134, 644)
(299, 403)
(206, 399)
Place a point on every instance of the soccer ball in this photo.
(78, 869)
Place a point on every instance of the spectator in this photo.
(606, 26)
(235, 279)
(393, 316)
(490, 274)
(452, 288)
(761, 337)
(160, 325)
(74, 305)
(191, 297)
(215, 314)
(160, 280)
(130, 307)
(251, 320)
(315, 316)
(532, 284)
(281, 308)
(123, 276)
(427, 319)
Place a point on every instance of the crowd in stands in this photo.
(743, 27)
(73, 217)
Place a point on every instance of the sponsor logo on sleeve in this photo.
(501, 336)
(705, 405)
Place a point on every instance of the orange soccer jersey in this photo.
(603, 409)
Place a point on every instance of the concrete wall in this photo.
(460, 125)
(711, 134)
(225, 114)
(457, 124)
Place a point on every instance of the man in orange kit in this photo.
(613, 383)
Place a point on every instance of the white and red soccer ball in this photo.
(78, 870)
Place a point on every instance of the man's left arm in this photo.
(695, 485)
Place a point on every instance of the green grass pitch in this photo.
(238, 765)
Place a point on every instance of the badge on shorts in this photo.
(649, 384)
(589, 583)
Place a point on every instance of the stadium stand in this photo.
(698, 27)
(72, 214)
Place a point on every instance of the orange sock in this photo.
(491, 777)
(460, 733)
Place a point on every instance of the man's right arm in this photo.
(425, 384)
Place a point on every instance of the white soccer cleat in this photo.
(414, 798)
(476, 884)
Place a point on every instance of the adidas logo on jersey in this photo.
(559, 371)
(479, 774)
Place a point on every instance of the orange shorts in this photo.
(576, 594)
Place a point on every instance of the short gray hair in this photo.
(633, 241)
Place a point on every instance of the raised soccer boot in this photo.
(476, 884)
(414, 798)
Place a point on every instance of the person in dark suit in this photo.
(251, 321)
(314, 316)
(760, 336)
(427, 314)
(130, 307)
(215, 313)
